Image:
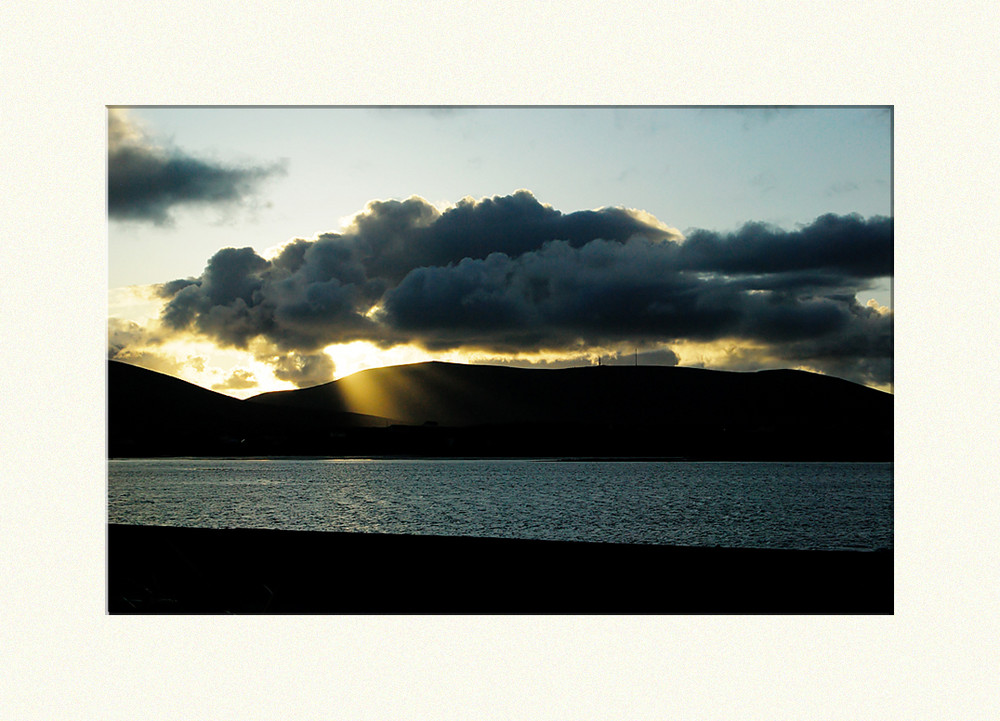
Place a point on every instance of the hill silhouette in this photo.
(461, 395)
(454, 409)
(152, 414)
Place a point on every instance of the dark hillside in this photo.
(618, 410)
(461, 395)
(475, 410)
(152, 414)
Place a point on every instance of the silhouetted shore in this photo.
(155, 569)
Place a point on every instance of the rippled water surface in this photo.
(759, 505)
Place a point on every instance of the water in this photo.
(751, 505)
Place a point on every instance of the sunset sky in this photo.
(253, 249)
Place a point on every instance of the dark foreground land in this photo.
(154, 569)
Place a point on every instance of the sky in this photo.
(256, 249)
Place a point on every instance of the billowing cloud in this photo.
(327, 290)
(846, 246)
(510, 275)
(147, 181)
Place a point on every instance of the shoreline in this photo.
(178, 570)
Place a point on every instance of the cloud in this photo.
(659, 357)
(147, 181)
(302, 369)
(847, 186)
(323, 291)
(759, 284)
(508, 275)
(620, 356)
(130, 342)
(239, 379)
(862, 351)
(123, 334)
(845, 245)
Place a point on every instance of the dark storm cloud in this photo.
(863, 351)
(613, 292)
(145, 181)
(319, 292)
(392, 237)
(510, 274)
(847, 245)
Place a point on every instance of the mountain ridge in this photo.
(449, 409)
(487, 393)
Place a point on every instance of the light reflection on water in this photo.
(778, 505)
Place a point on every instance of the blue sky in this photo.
(714, 169)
